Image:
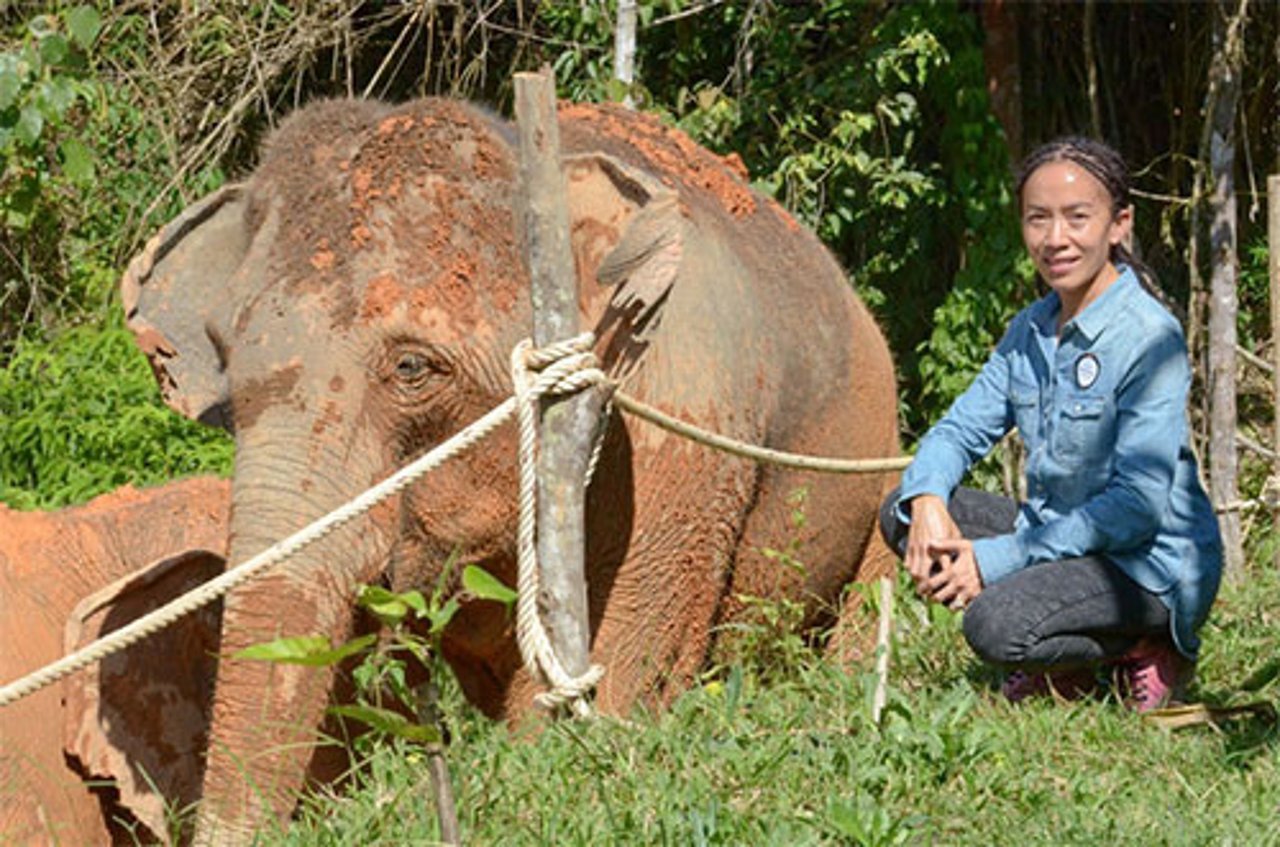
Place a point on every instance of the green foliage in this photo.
(42, 82)
(871, 124)
(396, 677)
(1253, 294)
(800, 760)
(46, 167)
(309, 650)
(81, 415)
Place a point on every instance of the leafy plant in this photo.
(395, 691)
(81, 415)
(46, 166)
(768, 634)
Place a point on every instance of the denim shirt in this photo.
(1101, 409)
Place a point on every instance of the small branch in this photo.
(1163, 198)
(883, 642)
(686, 13)
(1252, 446)
(1255, 360)
(442, 793)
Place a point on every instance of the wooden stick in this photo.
(1273, 249)
(882, 648)
(568, 426)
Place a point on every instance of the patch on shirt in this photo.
(1087, 370)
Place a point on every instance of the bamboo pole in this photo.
(568, 425)
(1273, 251)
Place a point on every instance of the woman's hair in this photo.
(1106, 165)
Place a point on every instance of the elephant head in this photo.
(120, 743)
(344, 309)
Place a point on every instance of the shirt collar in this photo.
(1097, 316)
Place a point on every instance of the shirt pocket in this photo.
(1084, 431)
(1024, 399)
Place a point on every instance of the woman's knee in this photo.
(993, 633)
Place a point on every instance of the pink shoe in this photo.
(1074, 684)
(1153, 674)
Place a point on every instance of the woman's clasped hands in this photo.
(938, 557)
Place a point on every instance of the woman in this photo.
(1114, 558)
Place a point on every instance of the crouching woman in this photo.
(1114, 558)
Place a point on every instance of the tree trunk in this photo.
(1273, 253)
(1091, 67)
(624, 53)
(1224, 81)
(1000, 56)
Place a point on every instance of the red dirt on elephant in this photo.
(671, 152)
(397, 123)
(323, 258)
(381, 296)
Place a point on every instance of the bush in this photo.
(81, 415)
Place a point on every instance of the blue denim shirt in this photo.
(1101, 410)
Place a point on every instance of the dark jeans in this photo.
(1054, 614)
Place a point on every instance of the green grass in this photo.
(801, 762)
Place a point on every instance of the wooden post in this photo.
(568, 425)
(1273, 251)
(624, 48)
(1224, 80)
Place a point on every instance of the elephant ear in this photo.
(173, 293)
(140, 717)
(628, 235)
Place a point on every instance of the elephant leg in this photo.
(808, 537)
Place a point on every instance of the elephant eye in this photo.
(411, 366)
(414, 367)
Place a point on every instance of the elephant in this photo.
(353, 301)
(88, 759)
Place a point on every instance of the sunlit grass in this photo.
(801, 762)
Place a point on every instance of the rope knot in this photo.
(564, 367)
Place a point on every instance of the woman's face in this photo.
(1069, 230)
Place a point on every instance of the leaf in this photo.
(390, 607)
(10, 87)
(486, 586)
(383, 603)
(41, 26)
(77, 161)
(84, 23)
(389, 722)
(440, 617)
(30, 125)
(56, 96)
(53, 49)
(310, 650)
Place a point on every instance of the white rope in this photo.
(535, 372)
(561, 368)
(122, 638)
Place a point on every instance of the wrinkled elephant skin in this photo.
(355, 301)
(140, 718)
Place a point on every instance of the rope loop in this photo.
(558, 369)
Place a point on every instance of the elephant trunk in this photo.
(262, 739)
